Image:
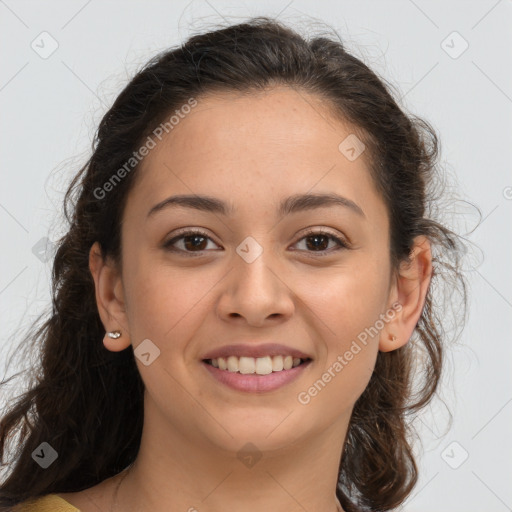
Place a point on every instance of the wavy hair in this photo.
(87, 402)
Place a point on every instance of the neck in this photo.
(176, 471)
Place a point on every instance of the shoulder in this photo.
(48, 503)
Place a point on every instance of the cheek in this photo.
(347, 317)
(166, 304)
(343, 373)
(347, 301)
(167, 307)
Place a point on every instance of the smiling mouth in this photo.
(256, 365)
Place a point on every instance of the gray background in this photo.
(51, 106)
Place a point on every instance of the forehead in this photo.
(241, 122)
(254, 146)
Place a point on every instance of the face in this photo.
(311, 279)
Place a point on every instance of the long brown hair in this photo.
(87, 402)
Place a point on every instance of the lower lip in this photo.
(253, 383)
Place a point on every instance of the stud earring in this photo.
(114, 334)
(393, 338)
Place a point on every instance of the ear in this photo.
(109, 298)
(408, 291)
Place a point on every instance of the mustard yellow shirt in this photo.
(48, 503)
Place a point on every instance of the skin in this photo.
(251, 150)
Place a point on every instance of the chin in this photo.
(266, 431)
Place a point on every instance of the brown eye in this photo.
(192, 241)
(197, 241)
(318, 241)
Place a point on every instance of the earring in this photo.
(393, 338)
(114, 334)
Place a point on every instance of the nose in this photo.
(256, 292)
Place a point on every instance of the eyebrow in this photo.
(292, 204)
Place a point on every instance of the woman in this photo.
(244, 293)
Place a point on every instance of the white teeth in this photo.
(264, 365)
(232, 363)
(246, 364)
(258, 365)
(277, 363)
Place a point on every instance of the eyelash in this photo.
(341, 243)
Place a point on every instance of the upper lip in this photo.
(266, 349)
